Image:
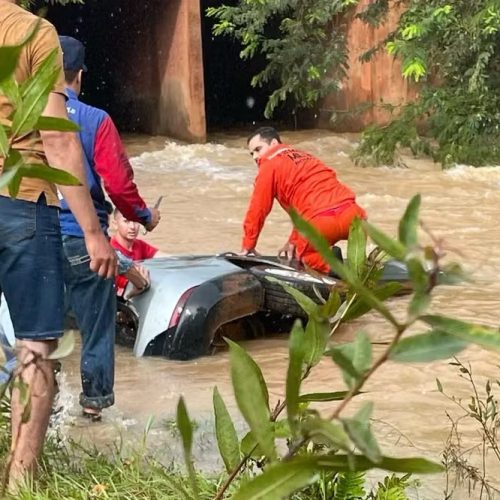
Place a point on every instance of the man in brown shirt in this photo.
(30, 240)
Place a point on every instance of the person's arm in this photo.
(113, 166)
(63, 150)
(259, 207)
(139, 277)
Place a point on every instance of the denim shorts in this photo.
(31, 267)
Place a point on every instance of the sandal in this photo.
(92, 414)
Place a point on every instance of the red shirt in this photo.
(140, 250)
(297, 180)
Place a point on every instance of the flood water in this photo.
(206, 189)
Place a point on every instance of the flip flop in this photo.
(92, 415)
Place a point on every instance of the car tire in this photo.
(277, 299)
(126, 325)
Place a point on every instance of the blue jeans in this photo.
(93, 302)
(31, 274)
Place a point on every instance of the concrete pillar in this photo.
(181, 99)
(370, 82)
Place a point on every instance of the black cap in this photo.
(73, 54)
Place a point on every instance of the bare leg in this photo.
(27, 438)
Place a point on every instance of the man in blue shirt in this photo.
(91, 298)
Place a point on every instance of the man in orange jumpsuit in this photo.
(300, 181)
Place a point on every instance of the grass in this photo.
(75, 472)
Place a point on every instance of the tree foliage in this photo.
(452, 51)
(302, 41)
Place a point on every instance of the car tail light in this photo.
(179, 307)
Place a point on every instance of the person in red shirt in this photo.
(300, 181)
(126, 242)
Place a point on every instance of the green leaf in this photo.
(418, 305)
(420, 281)
(65, 346)
(15, 183)
(278, 481)
(359, 430)
(294, 373)
(52, 123)
(323, 396)
(427, 347)
(354, 358)
(362, 357)
(345, 364)
(331, 306)
(249, 446)
(227, 439)
(392, 247)
(452, 274)
(36, 96)
(252, 397)
(50, 174)
(325, 432)
(11, 172)
(323, 247)
(475, 334)
(282, 429)
(408, 224)
(315, 340)
(4, 142)
(7, 176)
(8, 61)
(308, 305)
(9, 55)
(356, 248)
(345, 463)
(360, 307)
(186, 429)
(10, 90)
(418, 275)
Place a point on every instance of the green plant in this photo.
(302, 42)
(483, 411)
(331, 443)
(452, 50)
(28, 102)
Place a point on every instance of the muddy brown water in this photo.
(206, 189)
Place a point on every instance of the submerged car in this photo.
(193, 300)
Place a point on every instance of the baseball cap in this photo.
(73, 54)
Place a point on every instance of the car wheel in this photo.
(250, 328)
(277, 299)
(126, 325)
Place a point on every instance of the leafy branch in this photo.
(302, 42)
(451, 50)
(27, 102)
(338, 444)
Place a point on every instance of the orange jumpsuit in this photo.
(299, 180)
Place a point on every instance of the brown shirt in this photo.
(15, 23)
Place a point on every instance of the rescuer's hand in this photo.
(155, 219)
(287, 252)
